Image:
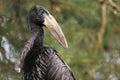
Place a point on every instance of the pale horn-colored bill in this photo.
(55, 29)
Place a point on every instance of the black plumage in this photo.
(39, 62)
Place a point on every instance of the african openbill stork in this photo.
(39, 62)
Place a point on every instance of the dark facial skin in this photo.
(37, 15)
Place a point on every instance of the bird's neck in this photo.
(37, 32)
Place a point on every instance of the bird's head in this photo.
(40, 16)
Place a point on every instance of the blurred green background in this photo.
(94, 44)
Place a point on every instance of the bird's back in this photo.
(46, 65)
(57, 69)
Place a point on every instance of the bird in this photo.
(39, 61)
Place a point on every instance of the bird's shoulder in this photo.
(49, 50)
(51, 54)
(56, 67)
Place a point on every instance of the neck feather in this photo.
(36, 41)
(39, 40)
(37, 31)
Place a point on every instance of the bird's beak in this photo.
(55, 29)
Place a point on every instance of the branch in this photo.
(99, 42)
(114, 5)
(101, 1)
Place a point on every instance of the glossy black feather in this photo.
(40, 62)
(46, 65)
